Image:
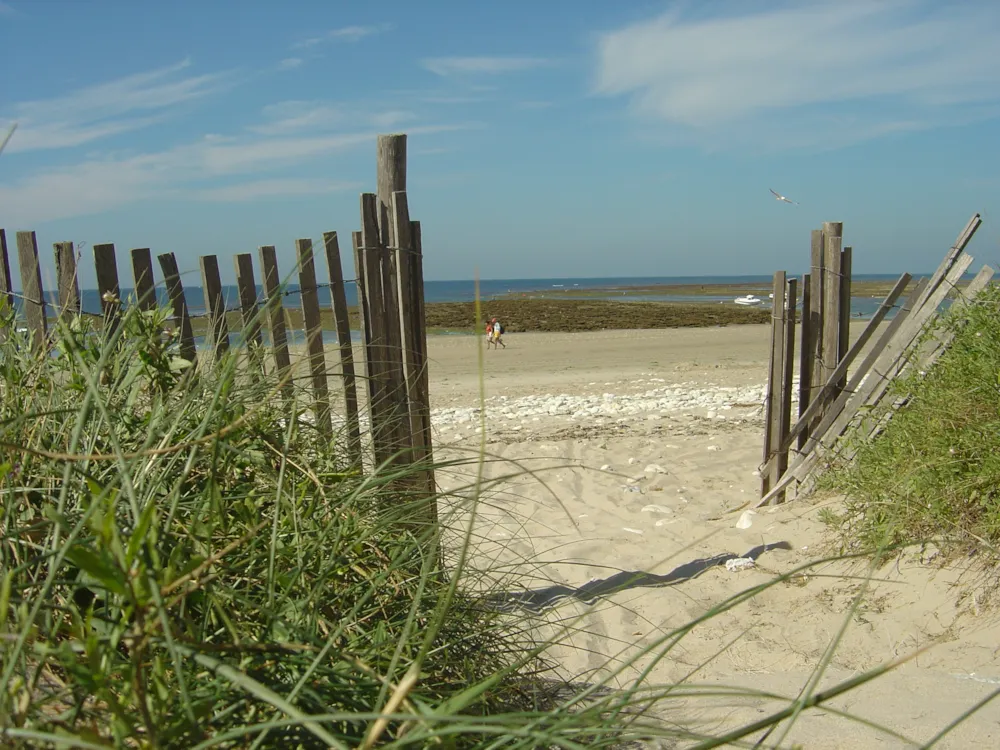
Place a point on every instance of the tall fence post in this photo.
(338, 302)
(314, 335)
(215, 304)
(832, 233)
(817, 273)
(372, 372)
(66, 279)
(246, 285)
(420, 322)
(805, 349)
(107, 285)
(182, 316)
(276, 317)
(31, 287)
(845, 307)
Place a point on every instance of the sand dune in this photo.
(641, 442)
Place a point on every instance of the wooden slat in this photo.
(246, 285)
(107, 284)
(817, 273)
(66, 278)
(385, 329)
(961, 242)
(142, 276)
(772, 415)
(182, 316)
(314, 335)
(420, 321)
(406, 303)
(831, 297)
(31, 286)
(805, 349)
(844, 337)
(6, 285)
(826, 393)
(276, 317)
(215, 304)
(780, 459)
(390, 178)
(338, 301)
(370, 369)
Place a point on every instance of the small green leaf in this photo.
(99, 566)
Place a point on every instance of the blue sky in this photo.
(550, 138)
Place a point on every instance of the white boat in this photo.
(747, 300)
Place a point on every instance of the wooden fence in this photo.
(834, 399)
(388, 261)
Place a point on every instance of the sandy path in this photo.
(633, 474)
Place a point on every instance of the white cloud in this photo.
(343, 34)
(290, 63)
(449, 66)
(296, 116)
(185, 171)
(106, 109)
(807, 74)
(257, 189)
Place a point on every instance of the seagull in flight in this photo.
(780, 197)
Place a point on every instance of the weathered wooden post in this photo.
(215, 304)
(31, 286)
(182, 317)
(832, 234)
(775, 378)
(142, 275)
(314, 335)
(66, 279)
(106, 266)
(276, 317)
(6, 286)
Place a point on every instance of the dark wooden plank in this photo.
(215, 304)
(420, 321)
(246, 286)
(817, 275)
(832, 232)
(776, 368)
(6, 285)
(805, 349)
(182, 316)
(342, 321)
(66, 279)
(276, 317)
(314, 335)
(844, 337)
(384, 317)
(31, 289)
(142, 276)
(107, 284)
(366, 333)
(408, 326)
(788, 366)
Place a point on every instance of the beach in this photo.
(621, 451)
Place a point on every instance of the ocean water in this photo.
(465, 291)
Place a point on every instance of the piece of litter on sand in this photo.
(582, 515)
(655, 469)
(605, 467)
(656, 509)
(736, 564)
(746, 520)
(631, 461)
(631, 531)
(665, 522)
(714, 448)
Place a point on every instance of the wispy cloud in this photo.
(7, 10)
(807, 74)
(95, 112)
(257, 189)
(290, 63)
(187, 171)
(285, 118)
(343, 34)
(452, 66)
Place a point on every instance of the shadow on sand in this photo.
(537, 600)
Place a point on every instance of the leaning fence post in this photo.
(314, 335)
(182, 317)
(215, 304)
(107, 284)
(31, 286)
(338, 301)
(276, 317)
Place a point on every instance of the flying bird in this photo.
(780, 197)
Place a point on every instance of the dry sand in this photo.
(641, 442)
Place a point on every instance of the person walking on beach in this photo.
(497, 333)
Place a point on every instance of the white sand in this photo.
(641, 440)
